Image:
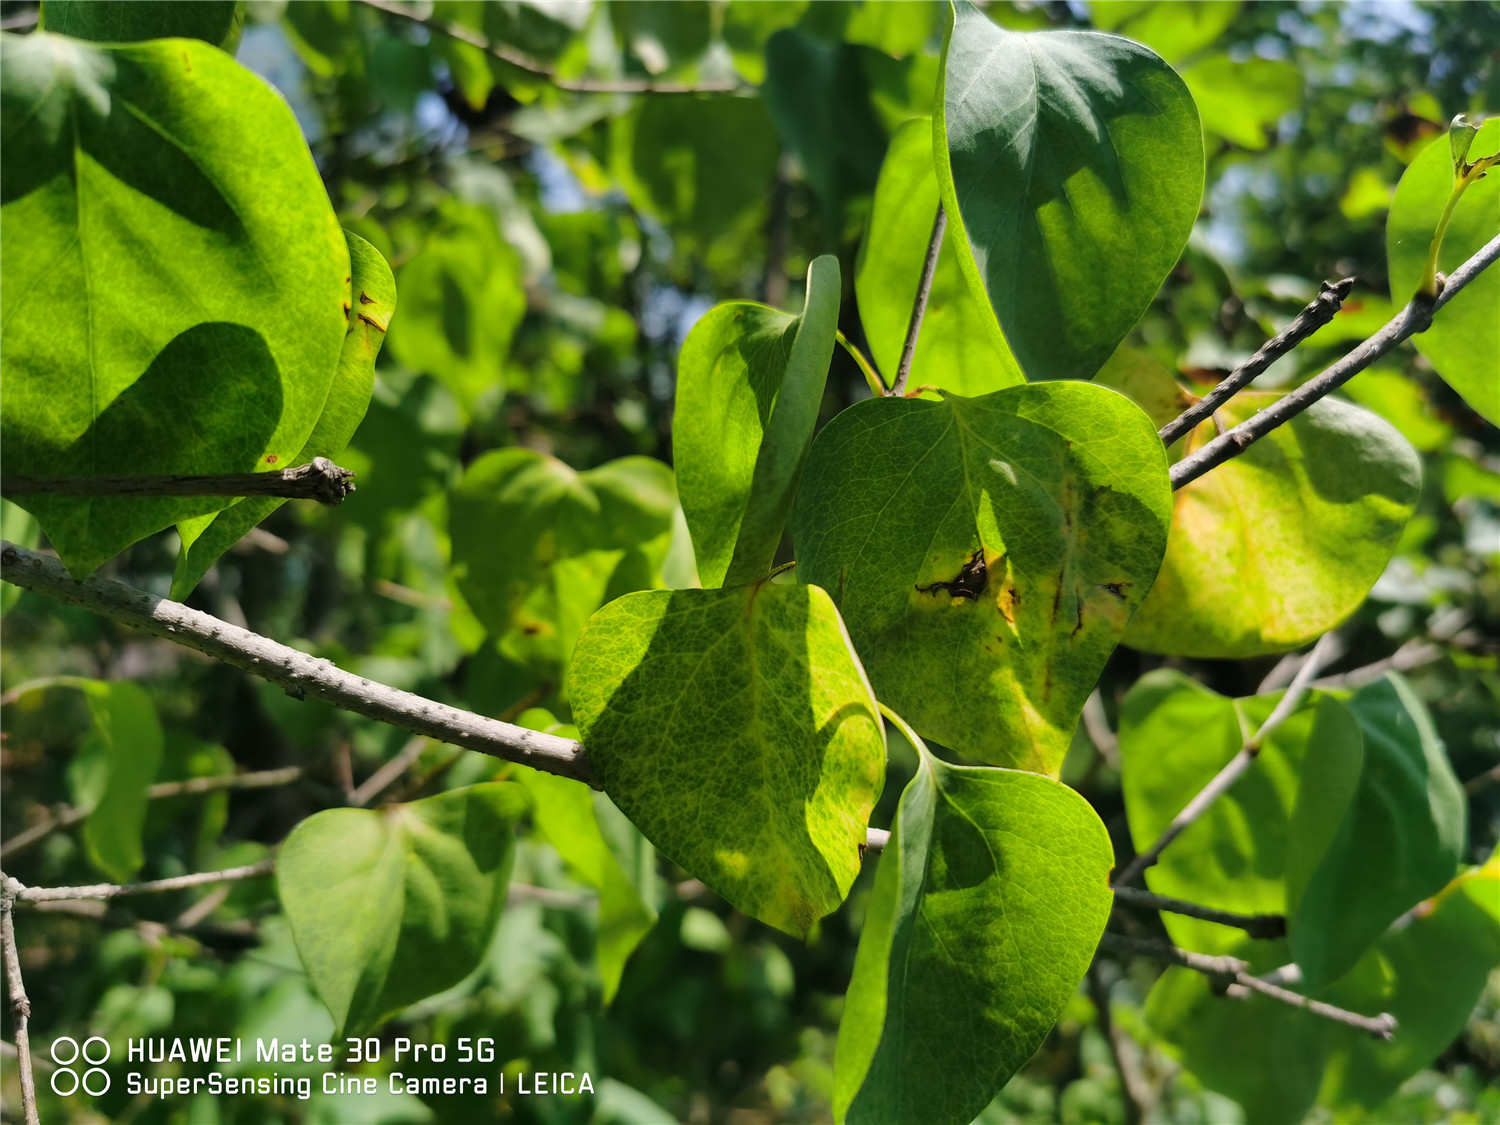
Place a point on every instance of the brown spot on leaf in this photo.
(373, 324)
(1115, 588)
(968, 583)
(271, 458)
(365, 298)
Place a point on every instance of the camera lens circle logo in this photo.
(70, 1055)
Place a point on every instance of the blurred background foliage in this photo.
(554, 239)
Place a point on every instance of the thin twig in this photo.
(154, 886)
(1264, 927)
(919, 303)
(1318, 313)
(1236, 767)
(1135, 1091)
(521, 61)
(1415, 317)
(68, 815)
(320, 479)
(386, 775)
(1231, 976)
(1482, 781)
(20, 1005)
(300, 674)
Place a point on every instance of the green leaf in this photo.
(1465, 335)
(1060, 491)
(1268, 831)
(126, 21)
(1175, 31)
(169, 253)
(390, 906)
(538, 547)
(564, 812)
(749, 384)
(463, 298)
(1073, 161)
(1431, 973)
(961, 347)
(820, 101)
(748, 24)
(988, 904)
(1279, 545)
(1242, 99)
(1407, 822)
(371, 304)
(737, 730)
(115, 764)
(702, 165)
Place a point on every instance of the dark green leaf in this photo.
(126, 21)
(987, 553)
(394, 905)
(749, 384)
(1074, 163)
(169, 254)
(115, 764)
(988, 904)
(737, 730)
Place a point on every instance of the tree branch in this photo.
(1231, 976)
(300, 674)
(1263, 927)
(1135, 1091)
(320, 479)
(919, 303)
(1319, 312)
(522, 61)
(20, 1005)
(69, 815)
(1236, 767)
(1415, 317)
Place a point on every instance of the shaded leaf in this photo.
(737, 730)
(115, 764)
(201, 274)
(988, 904)
(1073, 161)
(986, 554)
(1465, 335)
(371, 303)
(749, 384)
(393, 905)
(961, 347)
(126, 21)
(538, 547)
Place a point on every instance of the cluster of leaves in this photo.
(968, 556)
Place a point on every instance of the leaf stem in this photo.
(320, 479)
(1429, 283)
(1415, 317)
(862, 361)
(919, 303)
(1322, 309)
(1231, 976)
(1235, 768)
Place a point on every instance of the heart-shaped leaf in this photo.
(960, 347)
(371, 304)
(1465, 335)
(1074, 163)
(393, 905)
(202, 276)
(1279, 545)
(988, 905)
(986, 554)
(736, 729)
(749, 384)
(538, 547)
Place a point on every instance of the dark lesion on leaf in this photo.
(1115, 588)
(969, 582)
